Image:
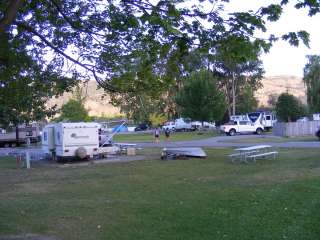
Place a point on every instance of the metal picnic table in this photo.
(244, 153)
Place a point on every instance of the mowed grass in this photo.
(262, 139)
(174, 136)
(153, 199)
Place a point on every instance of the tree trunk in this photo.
(233, 95)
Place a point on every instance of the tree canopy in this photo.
(200, 98)
(130, 46)
(311, 79)
(102, 36)
(73, 111)
(246, 100)
(289, 108)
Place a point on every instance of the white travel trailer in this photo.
(238, 118)
(264, 118)
(67, 140)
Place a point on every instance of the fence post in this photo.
(18, 161)
(28, 159)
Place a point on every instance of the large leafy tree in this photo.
(238, 65)
(101, 36)
(112, 41)
(289, 108)
(200, 98)
(311, 79)
(25, 88)
(73, 111)
(246, 100)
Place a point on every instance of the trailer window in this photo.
(29, 133)
(268, 117)
(45, 136)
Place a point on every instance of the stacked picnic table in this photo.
(253, 153)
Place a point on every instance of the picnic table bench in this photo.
(265, 154)
(252, 152)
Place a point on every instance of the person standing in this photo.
(167, 133)
(157, 135)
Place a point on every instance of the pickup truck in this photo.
(234, 127)
(180, 124)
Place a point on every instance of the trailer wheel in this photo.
(81, 153)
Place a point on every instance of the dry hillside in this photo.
(94, 102)
(271, 85)
(280, 84)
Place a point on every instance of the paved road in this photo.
(220, 141)
(227, 141)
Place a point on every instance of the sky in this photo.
(284, 59)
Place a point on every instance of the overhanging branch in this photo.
(90, 68)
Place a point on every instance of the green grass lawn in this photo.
(153, 199)
(175, 136)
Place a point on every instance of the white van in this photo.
(171, 126)
(66, 140)
(183, 124)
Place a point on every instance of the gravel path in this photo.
(226, 141)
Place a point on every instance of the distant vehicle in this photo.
(303, 119)
(239, 118)
(171, 126)
(141, 127)
(316, 116)
(69, 140)
(199, 125)
(196, 124)
(235, 127)
(26, 131)
(209, 124)
(183, 124)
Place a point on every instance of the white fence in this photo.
(294, 129)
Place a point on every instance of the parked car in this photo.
(169, 125)
(183, 124)
(209, 125)
(316, 116)
(196, 124)
(141, 127)
(235, 127)
(239, 117)
(303, 119)
(199, 125)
